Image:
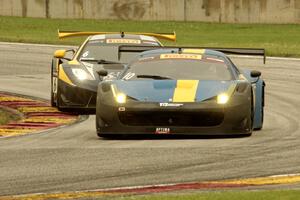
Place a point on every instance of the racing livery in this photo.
(181, 91)
(74, 79)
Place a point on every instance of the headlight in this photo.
(81, 74)
(121, 98)
(222, 98)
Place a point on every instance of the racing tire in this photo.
(262, 120)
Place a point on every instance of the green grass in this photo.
(278, 40)
(240, 195)
(6, 117)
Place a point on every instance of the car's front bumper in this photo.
(204, 118)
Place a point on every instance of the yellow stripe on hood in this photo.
(185, 91)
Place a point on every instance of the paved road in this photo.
(74, 158)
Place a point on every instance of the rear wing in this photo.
(65, 34)
(230, 51)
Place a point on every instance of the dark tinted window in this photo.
(198, 69)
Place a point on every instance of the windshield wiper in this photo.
(153, 77)
(101, 61)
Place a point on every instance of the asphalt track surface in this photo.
(74, 158)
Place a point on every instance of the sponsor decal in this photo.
(124, 41)
(170, 104)
(129, 76)
(181, 56)
(162, 130)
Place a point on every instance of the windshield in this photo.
(186, 69)
(99, 50)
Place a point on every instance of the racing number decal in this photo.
(85, 54)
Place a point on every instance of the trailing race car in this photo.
(181, 91)
(74, 80)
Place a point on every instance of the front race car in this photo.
(124, 110)
(176, 93)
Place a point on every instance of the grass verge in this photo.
(278, 40)
(6, 117)
(233, 195)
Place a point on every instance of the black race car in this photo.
(181, 91)
(74, 80)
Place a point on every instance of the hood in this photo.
(172, 90)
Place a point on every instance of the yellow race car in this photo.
(74, 79)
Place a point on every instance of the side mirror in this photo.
(255, 74)
(60, 53)
(102, 72)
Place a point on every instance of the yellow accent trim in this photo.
(185, 91)
(197, 51)
(60, 53)
(181, 56)
(63, 76)
(65, 34)
(73, 62)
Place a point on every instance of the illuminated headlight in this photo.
(81, 74)
(121, 98)
(222, 98)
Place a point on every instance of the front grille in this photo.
(169, 118)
